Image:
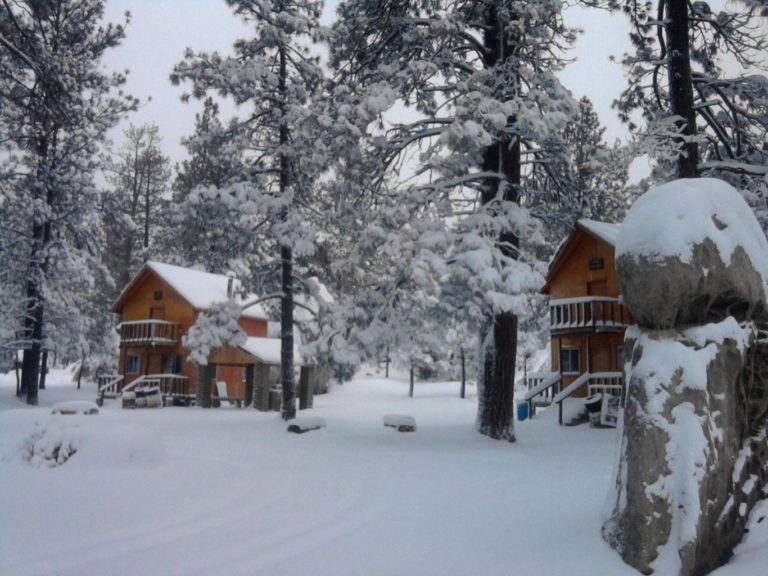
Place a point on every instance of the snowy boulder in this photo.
(693, 447)
(691, 252)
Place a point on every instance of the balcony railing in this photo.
(148, 333)
(599, 313)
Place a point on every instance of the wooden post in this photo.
(80, 371)
(386, 364)
(16, 366)
(261, 387)
(249, 384)
(205, 377)
(463, 375)
(410, 391)
(306, 387)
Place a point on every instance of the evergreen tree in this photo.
(276, 76)
(481, 77)
(135, 208)
(701, 121)
(57, 103)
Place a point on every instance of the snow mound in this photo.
(94, 444)
(75, 407)
(669, 220)
(306, 424)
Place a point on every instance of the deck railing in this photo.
(148, 332)
(169, 384)
(605, 382)
(591, 312)
(542, 388)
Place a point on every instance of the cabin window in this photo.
(569, 360)
(132, 364)
(158, 294)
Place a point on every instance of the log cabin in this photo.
(157, 309)
(587, 319)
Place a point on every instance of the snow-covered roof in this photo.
(606, 231)
(267, 350)
(200, 289)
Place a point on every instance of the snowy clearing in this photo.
(186, 491)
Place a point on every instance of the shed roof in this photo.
(267, 350)
(200, 289)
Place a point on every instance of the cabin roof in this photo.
(200, 289)
(267, 350)
(606, 232)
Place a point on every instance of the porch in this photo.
(148, 333)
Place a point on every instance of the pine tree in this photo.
(135, 208)
(57, 104)
(481, 77)
(275, 75)
(700, 120)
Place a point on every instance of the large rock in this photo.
(693, 447)
(692, 252)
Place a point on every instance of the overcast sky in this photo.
(160, 30)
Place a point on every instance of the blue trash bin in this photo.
(522, 410)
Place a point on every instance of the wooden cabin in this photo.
(587, 318)
(157, 309)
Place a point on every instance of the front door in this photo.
(155, 364)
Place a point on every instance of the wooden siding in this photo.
(572, 276)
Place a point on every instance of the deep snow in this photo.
(187, 491)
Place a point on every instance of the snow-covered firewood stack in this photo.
(693, 268)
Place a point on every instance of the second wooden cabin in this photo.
(587, 318)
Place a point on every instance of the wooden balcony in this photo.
(149, 333)
(588, 314)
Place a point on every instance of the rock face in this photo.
(692, 252)
(694, 444)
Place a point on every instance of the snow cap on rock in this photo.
(691, 251)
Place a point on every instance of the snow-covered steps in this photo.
(400, 422)
(306, 424)
(75, 407)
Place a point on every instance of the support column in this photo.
(261, 387)
(250, 384)
(306, 387)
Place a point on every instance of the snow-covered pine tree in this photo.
(208, 228)
(695, 77)
(274, 75)
(135, 207)
(596, 174)
(57, 104)
(488, 111)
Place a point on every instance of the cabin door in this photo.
(155, 364)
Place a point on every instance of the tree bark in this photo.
(681, 85)
(498, 339)
(497, 375)
(288, 404)
(43, 369)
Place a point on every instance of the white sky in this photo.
(160, 30)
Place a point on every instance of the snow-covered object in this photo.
(401, 422)
(684, 482)
(690, 252)
(606, 231)
(267, 350)
(75, 407)
(304, 424)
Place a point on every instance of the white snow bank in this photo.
(94, 444)
(75, 407)
(306, 423)
(668, 220)
(402, 422)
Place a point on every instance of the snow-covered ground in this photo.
(186, 491)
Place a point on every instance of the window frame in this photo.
(130, 359)
(568, 363)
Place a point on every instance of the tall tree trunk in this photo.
(288, 405)
(498, 338)
(43, 369)
(681, 85)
